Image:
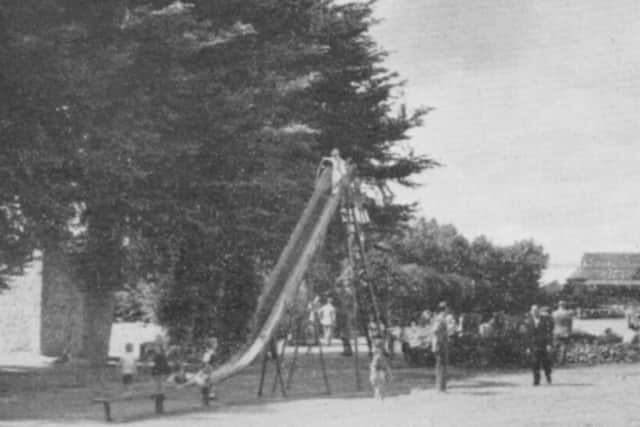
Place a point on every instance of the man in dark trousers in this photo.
(540, 340)
(344, 318)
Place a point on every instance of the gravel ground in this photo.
(582, 396)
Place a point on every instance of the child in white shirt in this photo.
(128, 366)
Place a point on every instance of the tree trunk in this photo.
(98, 319)
(62, 306)
(102, 269)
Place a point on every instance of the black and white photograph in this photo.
(283, 213)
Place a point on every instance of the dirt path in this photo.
(596, 396)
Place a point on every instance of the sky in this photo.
(536, 120)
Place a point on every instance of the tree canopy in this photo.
(431, 262)
(175, 142)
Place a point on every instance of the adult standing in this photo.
(160, 369)
(425, 318)
(540, 339)
(313, 324)
(440, 345)
(327, 314)
(344, 319)
(452, 331)
(490, 332)
(562, 327)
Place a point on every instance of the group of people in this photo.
(544, 332)
(327, 321)
(168, 366)
(323, 322)
(323, 316)
(546, 336)
(547, 331)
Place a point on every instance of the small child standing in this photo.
(128, 366)
(379, 370)
(208, 361)
(210, 352)
(160, 368)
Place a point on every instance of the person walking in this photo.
(440, 346)
(327, 314)
(539, 341)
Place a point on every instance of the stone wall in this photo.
(62, 308)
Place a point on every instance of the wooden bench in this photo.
(106, 401)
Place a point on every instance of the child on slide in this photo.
(202, 378)
(339, 168)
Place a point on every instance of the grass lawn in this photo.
(580, 396)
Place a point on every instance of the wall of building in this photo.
(20, 311)
(45, 311)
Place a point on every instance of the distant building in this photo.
(600, 270)
(20, 310)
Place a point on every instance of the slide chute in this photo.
(292, 265)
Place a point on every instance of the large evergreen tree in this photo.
(181, 139)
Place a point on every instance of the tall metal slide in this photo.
(288, 273)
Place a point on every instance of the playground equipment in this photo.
(296, 331)
(332, 188)
(332, 193)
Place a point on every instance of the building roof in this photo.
(609, 268)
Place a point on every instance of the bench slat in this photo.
(127, 397)
(158, 399)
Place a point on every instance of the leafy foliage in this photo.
(137, 303)
(430, 263)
